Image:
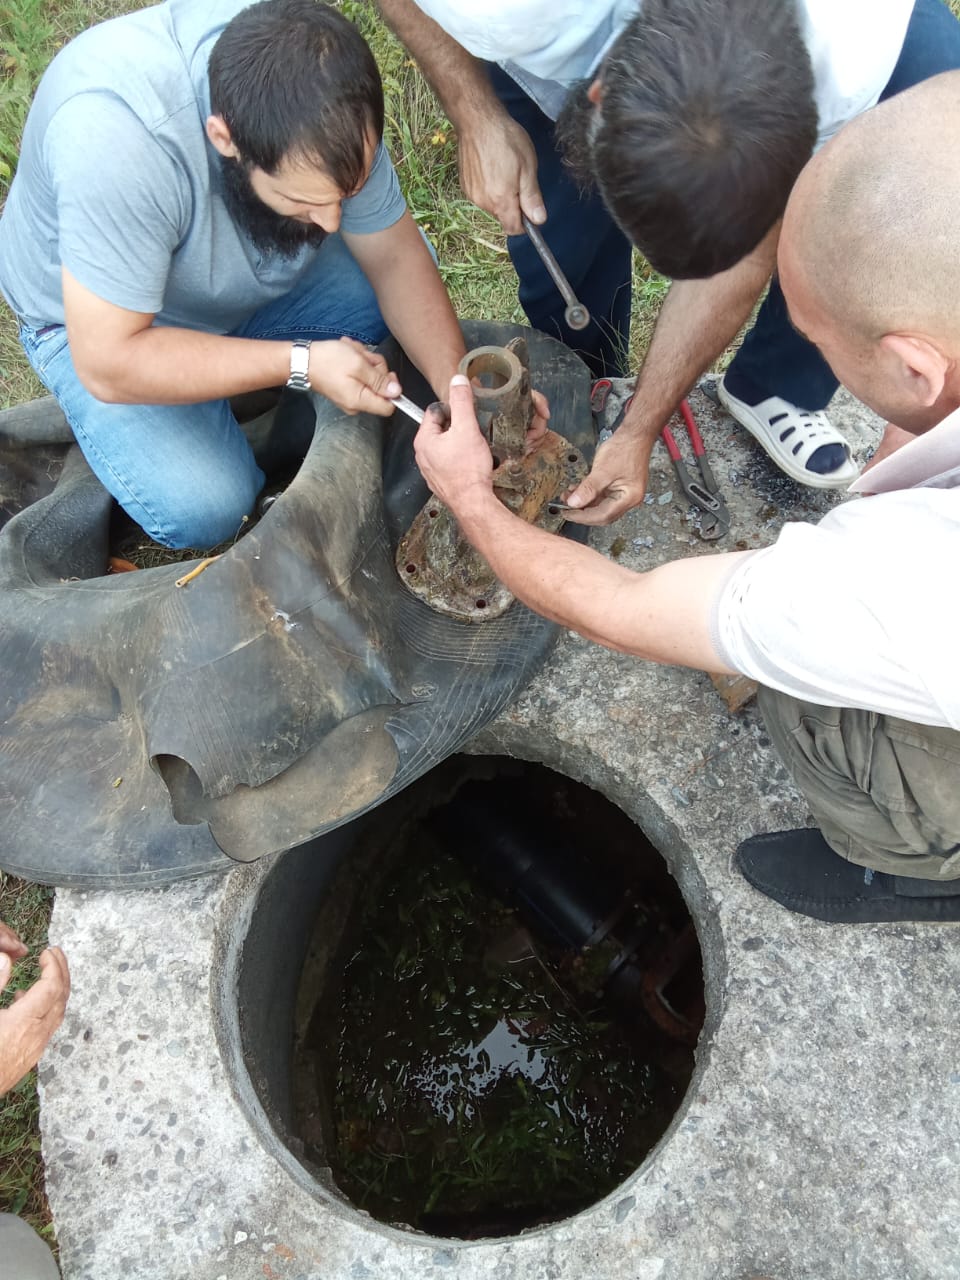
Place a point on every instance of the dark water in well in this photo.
(469, 1079)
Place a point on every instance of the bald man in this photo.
(849, 625)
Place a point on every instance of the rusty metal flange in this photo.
(434, 560)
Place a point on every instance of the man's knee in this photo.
(201, 519)
(883, 791)
(195, 486)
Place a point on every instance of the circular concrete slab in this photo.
(820, 1137)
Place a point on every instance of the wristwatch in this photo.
(299, 378)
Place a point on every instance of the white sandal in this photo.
(790, 436)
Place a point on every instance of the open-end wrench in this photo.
(409, 408)
(576, 315)
(417, 414)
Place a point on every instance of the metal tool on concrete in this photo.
(434, 560)
(703, 492)
(600, 394)
(576, 315)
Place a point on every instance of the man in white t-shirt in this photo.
(849, 625)
(690, 120)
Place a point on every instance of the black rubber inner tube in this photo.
(150, 733)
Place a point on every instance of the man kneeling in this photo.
(204, 207)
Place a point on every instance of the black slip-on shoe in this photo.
(799, 870)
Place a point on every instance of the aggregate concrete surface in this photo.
(820, 1136)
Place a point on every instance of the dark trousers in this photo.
(883, 792)
(596, 256)
(591, 249)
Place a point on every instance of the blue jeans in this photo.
(593, 252)
(185, 473)
(773, 355)
(595, 255)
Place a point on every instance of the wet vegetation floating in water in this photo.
(469, 1080)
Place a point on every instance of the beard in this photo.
(271, 232)
(575, 130)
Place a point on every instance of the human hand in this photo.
(353, 377)
(498, 171)
(11, 944)
(456, 462)
(27, 1025)
(617, 481)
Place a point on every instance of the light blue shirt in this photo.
(118, 182)
(547, 46)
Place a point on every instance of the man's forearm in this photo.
(496, 159)
(413, 300)
(458, 79)
(434, 340)
(557, 578)
(662, 615)
(163, 365)
(699, 320)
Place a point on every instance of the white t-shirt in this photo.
(549, 45)
(862, 609)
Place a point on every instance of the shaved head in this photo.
(874, 219)
(869, 254)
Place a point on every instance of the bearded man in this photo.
(204, 207)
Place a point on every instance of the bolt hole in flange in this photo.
(495, 1018)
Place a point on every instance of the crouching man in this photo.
(849, 625)
(204, 207)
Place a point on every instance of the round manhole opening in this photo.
(495, 1008)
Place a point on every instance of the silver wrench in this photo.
(576, 315)
(409, 408)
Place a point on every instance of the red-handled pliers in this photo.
(599, 395)
(705, 492)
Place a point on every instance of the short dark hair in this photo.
(296, 78)
(706, 119)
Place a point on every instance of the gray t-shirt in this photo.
(118, 182)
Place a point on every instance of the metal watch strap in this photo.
(299, 378)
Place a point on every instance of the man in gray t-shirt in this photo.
(204, 207)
